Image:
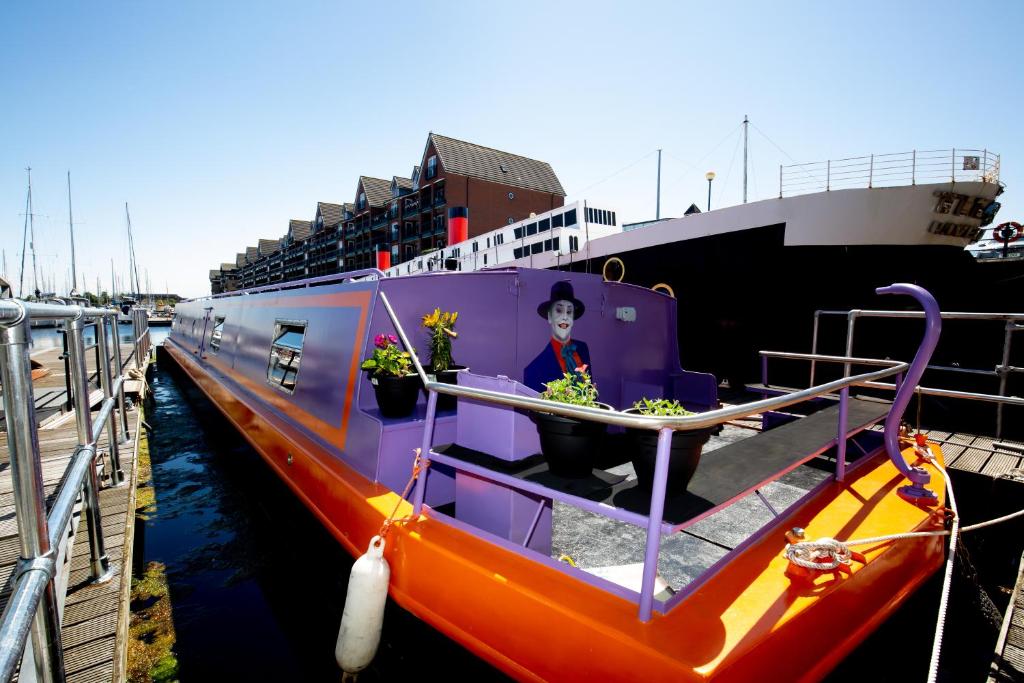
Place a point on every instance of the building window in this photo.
(215, 336)
(570, 217)
(286, 354)
(362, 201)
(432, 167)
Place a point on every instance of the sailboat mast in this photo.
(32, 236)
(134, 266)
(113, 282)
(746, 131)
(24, 235)
(71, 230)
(657, 201)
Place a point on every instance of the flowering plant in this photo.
(661, 407)
(575, 388)
(442, 330)
(388, 360)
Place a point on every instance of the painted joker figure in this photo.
(562, 353)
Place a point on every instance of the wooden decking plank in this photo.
(88, 655)
(84, 610)
(103, 671)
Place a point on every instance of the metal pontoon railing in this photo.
(888, 170)
(1013, 322)
(908, 375)
(33, 608)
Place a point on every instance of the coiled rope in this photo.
(826, 554)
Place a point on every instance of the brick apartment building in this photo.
(405, 216)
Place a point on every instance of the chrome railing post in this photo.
(828, 175)
(1004, 374)
(814, 344)
(107, 384)
(29, 497)
(851, 322)
(952, 166)
(780, 181)
(99, 563)
(653, 545)
(844, 397)
(116, 334)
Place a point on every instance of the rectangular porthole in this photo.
(286, 354)
(215, 336)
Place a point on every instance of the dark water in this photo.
(257, 585)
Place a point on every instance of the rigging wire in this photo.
(799, 168)
(728, 174)
(695, 166)
(615, 173)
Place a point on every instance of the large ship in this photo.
(751, 276)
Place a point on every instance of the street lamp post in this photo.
(710, 175)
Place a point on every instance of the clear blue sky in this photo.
(217, 122)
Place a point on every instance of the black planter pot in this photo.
(683, 460)
(570, 446)
(449, 376)
(396, 396)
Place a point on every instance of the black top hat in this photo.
(562, 291)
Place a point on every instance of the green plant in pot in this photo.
(440, 326)
(395, 384)
(570, 446)
(684, 454)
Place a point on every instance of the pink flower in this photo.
(582, 369)
(393, 339)
(380, 341)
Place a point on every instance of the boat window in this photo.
(536, 247)
(613, 218)
(215, 336)
(286, 354)
(570, 217)
(544, 225)
(531, 229)
(518, 252)
(556, 220)
(193, 328)
(519, 233)
(554, 244)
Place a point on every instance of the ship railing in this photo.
(906, 374)
(34, 607)
(301, 284)
(890, 170)
(1012, 324)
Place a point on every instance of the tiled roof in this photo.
(251, 254)
(378, 190)
(350, 207)
(331, 213)
(214, 274)
(268, 247)
(403, 183)
(239, 260)
(299, 229)
(475, 161)
(227, 266)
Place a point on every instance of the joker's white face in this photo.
(560, 317)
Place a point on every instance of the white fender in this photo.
(363, 617)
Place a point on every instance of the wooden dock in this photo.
(1008, 664)
(95, 619)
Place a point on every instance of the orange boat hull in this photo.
(746, 622)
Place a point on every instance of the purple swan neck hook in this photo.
(933, 326)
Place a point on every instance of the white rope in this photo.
(827, 554)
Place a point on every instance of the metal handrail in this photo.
(297, 284)
(898, 168)
(1013, 322)
(665, 426)
(40, 534)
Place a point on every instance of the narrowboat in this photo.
(592, 575)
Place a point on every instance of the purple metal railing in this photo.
(654, 520)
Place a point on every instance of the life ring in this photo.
(663, 287)
(1007, 232)
(622, 268)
